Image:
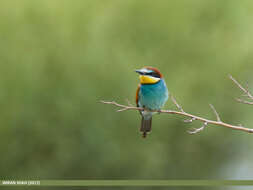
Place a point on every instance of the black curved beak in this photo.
(139, 72)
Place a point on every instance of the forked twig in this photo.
(197, 130)
(245, 91)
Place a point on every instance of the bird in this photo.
(151, 94)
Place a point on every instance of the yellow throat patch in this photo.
(144, 79)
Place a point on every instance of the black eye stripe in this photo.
(153, 74)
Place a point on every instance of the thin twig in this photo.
(244, 101)
(128, 102)
(190, 120)
(122, 106)
(191, 117)
(215, 112)
(175, 102)
(244, 90)
(194, 131)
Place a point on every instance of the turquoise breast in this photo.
(153, 96)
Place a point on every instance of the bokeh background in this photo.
(59, 58)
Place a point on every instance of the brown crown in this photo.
(155, 70)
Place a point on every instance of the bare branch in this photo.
(128, 102)
(244, 101)
(194, 131)
(188, 115)
(175, 102)
(124, 108)
(247, 86)
(215, 112)
(190, 120)
(245, 91)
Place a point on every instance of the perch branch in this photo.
(181, 112)
(245, 91)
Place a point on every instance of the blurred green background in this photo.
(59, 58)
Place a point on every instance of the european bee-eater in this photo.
(151, 94)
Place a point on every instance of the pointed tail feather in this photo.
(145, 126)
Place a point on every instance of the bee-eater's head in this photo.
(149, 75)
